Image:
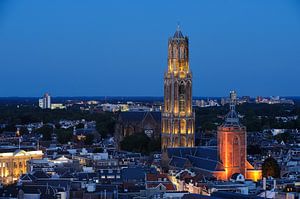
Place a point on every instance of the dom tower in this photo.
(178, 119)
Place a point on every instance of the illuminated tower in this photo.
(178, 119)
(232, 143)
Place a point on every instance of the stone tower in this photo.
(232, 144)
(178, 118)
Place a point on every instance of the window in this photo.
(181, 97)
(182, 126)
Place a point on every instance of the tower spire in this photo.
(178, 34)
(232, 118)
(232, 100)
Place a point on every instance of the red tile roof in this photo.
(155, 177)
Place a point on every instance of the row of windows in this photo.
(110, 177)
(110, 171)
(6, 164)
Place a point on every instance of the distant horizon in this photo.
(145, 96)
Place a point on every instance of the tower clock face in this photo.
(149, 132)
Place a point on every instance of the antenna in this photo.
(19, 143)
(178, 26)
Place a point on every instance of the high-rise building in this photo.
(45, 102)
(178, 119)
(233, 97)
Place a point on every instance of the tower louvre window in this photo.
(181, 97)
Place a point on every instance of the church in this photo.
(178, 119)
(229, 157)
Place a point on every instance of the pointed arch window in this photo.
(182, 97)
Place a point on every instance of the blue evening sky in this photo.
(119, 48)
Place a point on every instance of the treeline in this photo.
(257, 117)
(63, 136)
(19, 115)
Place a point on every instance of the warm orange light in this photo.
(254, 175)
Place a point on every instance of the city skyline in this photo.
(101, 49)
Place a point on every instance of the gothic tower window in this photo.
(236, 151)
(182, 97)
(182, 126)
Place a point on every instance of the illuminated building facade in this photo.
(225, 161)
(13, 163)
(178, 119)
(232, 146)
(45, 102)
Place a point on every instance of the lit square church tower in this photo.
(178, 119)
(232, 146)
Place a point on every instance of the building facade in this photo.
(129, 123)
(45, 102)
(13, 163)
(178, 119)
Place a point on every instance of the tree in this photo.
(105, 123)
(98, 150)
(57, 125)
(64, 135)
(10, 128)
(137, 142)
(270, 168)
(80, 126)
(23, 131)
(46, 132)
(285, 137)
(141, 143)
(254, 149)
(89, 138)
(154, 145)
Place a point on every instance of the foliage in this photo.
(80, 126)
(140, 142)
(23, 131)
(98, 150)
(10, 128)
(285, 137)
(46, 132)
(89, 139)
(270, 168)
(64, 135)
(257, 117)
(105, 123)
(254, 149)
(19, 115)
